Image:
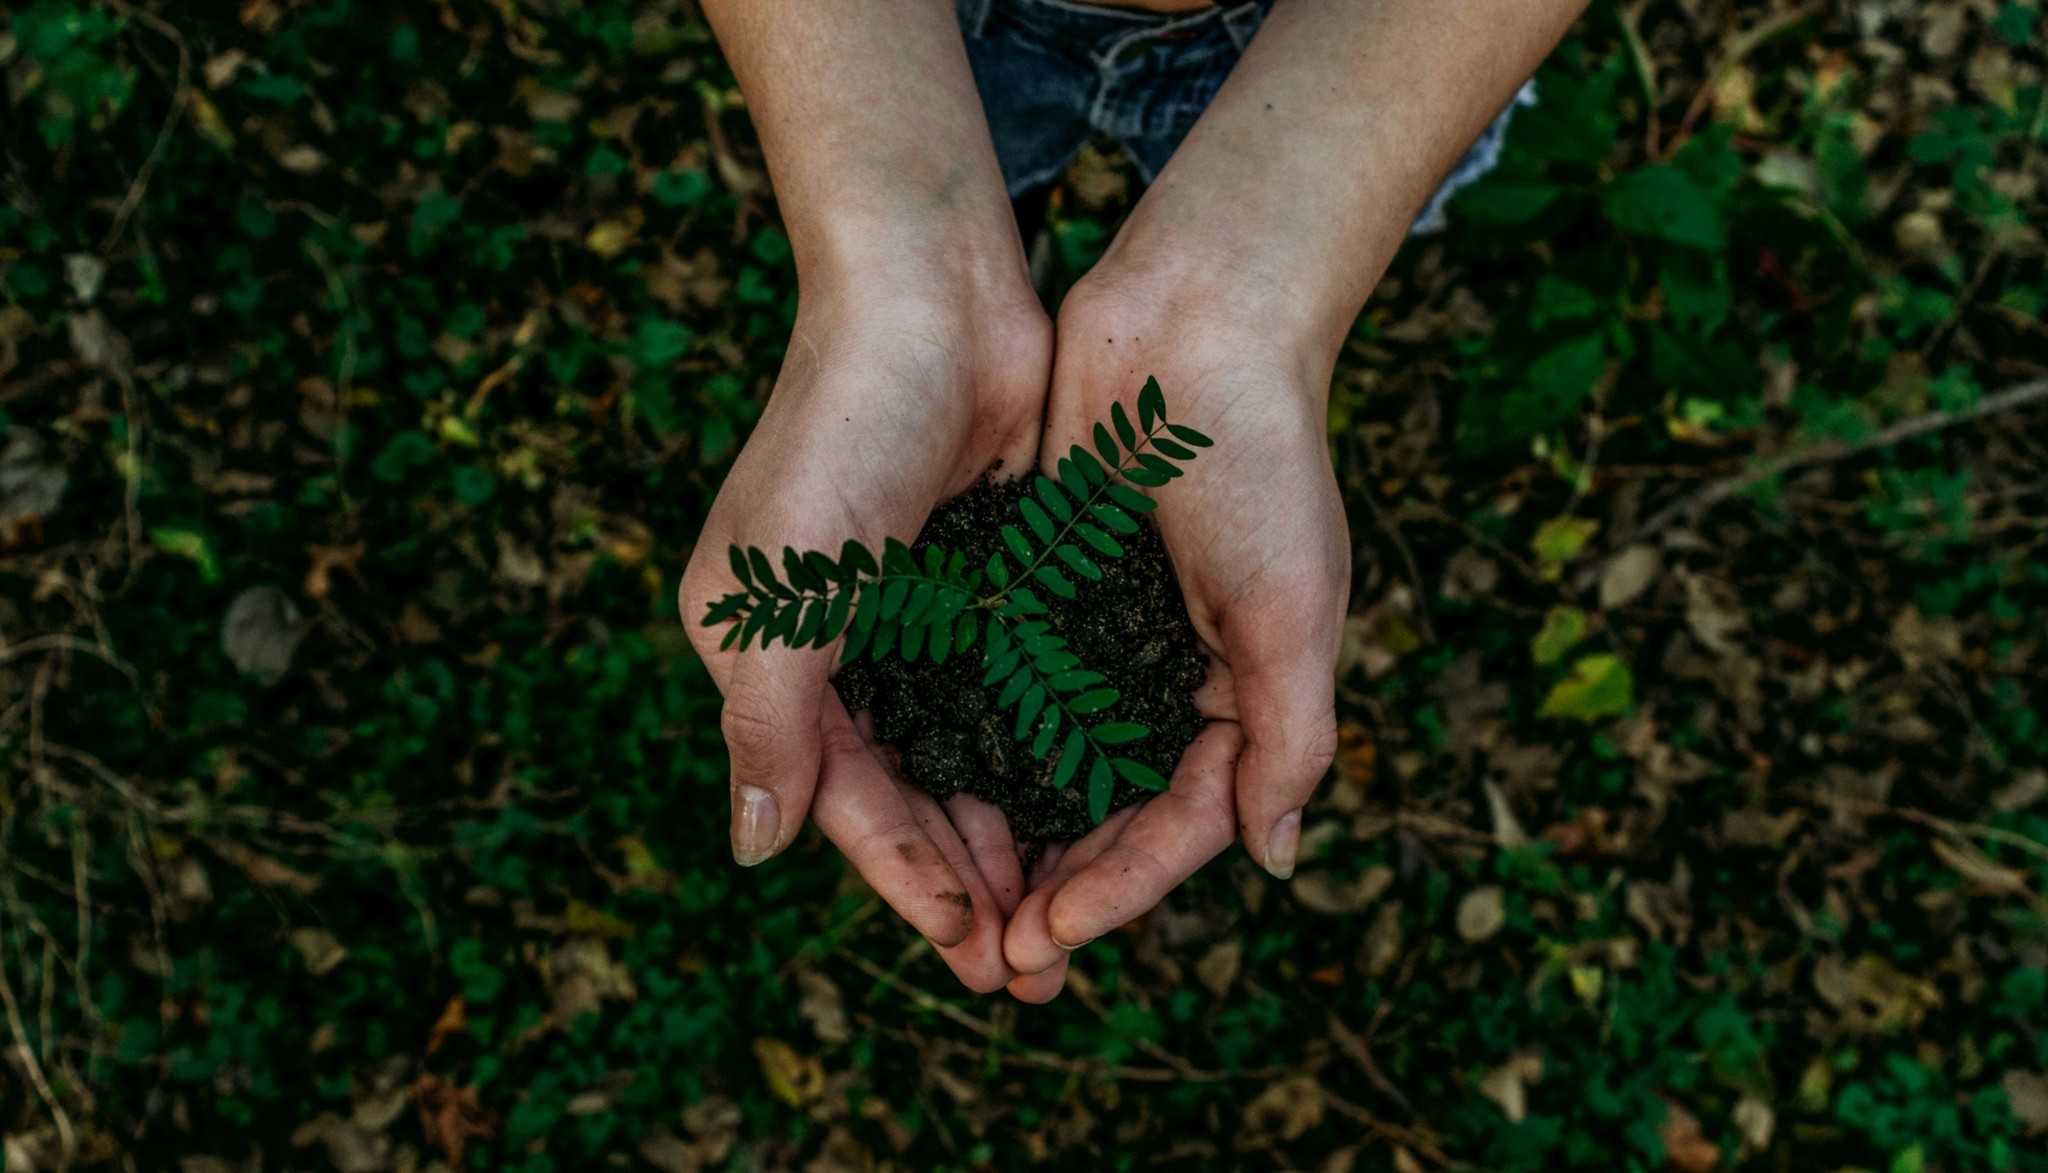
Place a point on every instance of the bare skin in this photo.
(1234, 281)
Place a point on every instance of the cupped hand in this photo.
(888, 403)
(1256, 533)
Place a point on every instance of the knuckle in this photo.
(751, 729)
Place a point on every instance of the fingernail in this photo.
(756, 824)
(1280, 849)
(1067, 947)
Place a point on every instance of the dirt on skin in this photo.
(1131, 626)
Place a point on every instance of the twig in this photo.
(1354, 1045)
(67, 1140)
(1766, 31)
(1405, 1137)
(1631, 17)
(2010, 399)
(1009, 1050)
(140, 184)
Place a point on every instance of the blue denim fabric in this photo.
(1054, 74)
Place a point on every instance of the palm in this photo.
(880, 412)
(1257, 537)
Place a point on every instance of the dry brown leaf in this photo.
(1482, 913)
(1319, 890)
(2027, 1094)
(452, 1116)
(262, 629)
(822, 1007)
(1686, 1148)
(1284, 1111)
(1219, 967)
(1627, 575)
(320, 949)
(1508, 1084)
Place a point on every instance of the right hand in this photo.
(896, 394)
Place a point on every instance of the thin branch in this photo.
(2011, 399)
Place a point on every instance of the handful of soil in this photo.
(1131, 626)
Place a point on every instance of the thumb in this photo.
(773, 699)
(1287, 705)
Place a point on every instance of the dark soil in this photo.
(1131, 626)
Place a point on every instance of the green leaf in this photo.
(1562, 628)
(914, 611)
(913, 642)
(801, 574)
(885, 639)
(1113, 517)
(1662, 201)
(854, 559)
(1130, 498)
(1091, 468)
(1013, 690)
(1105, 447)
(1035, 518)
(725, 609)
(1014, 538)
(896, 558)
(1151, 405)
(813, 619)
(1102, 543)
(1138, 774)
(867, 608)
(1189, 436)
(1025, 602)
(1100, 785)
(1056, 660)
(893, 594)
(1027, 709)
(1070, 758)
(1000, 667)
(1072, 481)
(739, 566)
(998, 571)
(939, 638)
(1118, 732)
(835, 616)
(1078, 562)
(1599, 686)
(1047, 729)
(757, 622)
(1167, 447)
(764, 574)
(732, 635)
(1146, 477)
(1071, 679)
(1093, 702)
(823, 566)
(1054, 500)
(964, 631)
(1159, 464)
(1054, 581)
(856, 641)
(1124, 430)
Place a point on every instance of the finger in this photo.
(863, 811)
(1287, 703)
(774, 698)
(977, 960)
(992, 847)
(1170, 839)
(1040, 988)
(1027, 944)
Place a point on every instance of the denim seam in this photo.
(973, 16)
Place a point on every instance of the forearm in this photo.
(874, 135)
(1300, 181)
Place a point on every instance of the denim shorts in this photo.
(1054, 74)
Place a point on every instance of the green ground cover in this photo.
(365, 369)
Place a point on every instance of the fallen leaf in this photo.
(262, 629)
(1284, 1111)
(1755, 1120)
(1508, 1084)
(793, 1077)
(1599, 685)
(452, 1116)
(1627, 575)
(31, 485)
(1686, 1148)
(1558, 541)
(321, 951)
(454, 1020)
(2026, 1092)
(822, 1008)
(1562, 629)
(1482, 913)
(1320, 890)
(1219, 967)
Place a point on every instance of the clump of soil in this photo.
(1131, 626)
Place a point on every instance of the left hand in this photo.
(1256, 532)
